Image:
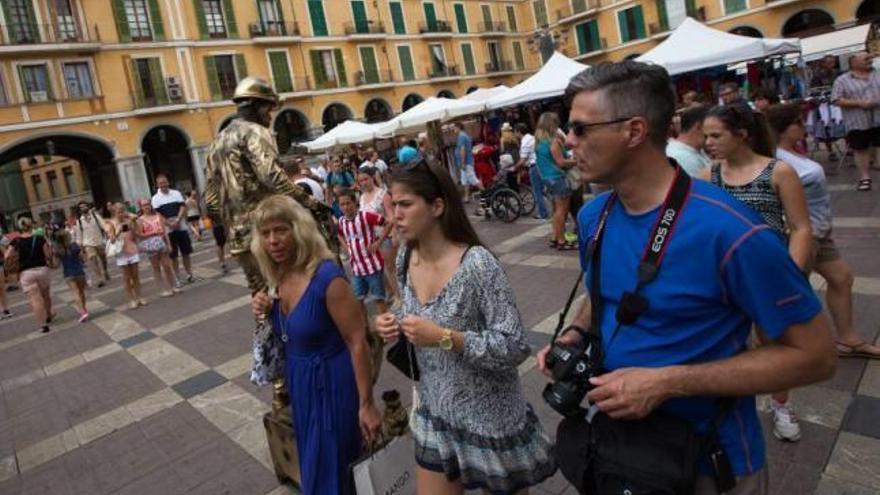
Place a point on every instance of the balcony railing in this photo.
(329, 83)
(363, 78)
(368, 27)
(274, 29)
(33, 34)
(500, 66)
(157, 100)
(448, 71)
(578, 7)
(439, 27)
(492, 27)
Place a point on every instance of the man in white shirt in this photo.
(171, 205)
(321, 171)
(89, 233)
(687, 149)
(294, 171)
(527, 159)
(375, 161)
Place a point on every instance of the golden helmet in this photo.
(254, 87)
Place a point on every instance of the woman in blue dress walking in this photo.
(326, 354)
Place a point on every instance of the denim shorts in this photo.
(558, 188)
(369, 287)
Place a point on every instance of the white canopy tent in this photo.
(348, 132)
(548, 82)
(433, 108)
(484, 94)
(835, 43)
(693, 46)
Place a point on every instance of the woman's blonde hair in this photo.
(311, 247)
(548, 124)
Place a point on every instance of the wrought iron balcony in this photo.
(437, 27)
(364, 78)
(34, 34)
(447, 71)
(492, 27)
(274, 29)
(577, 9)
(500, 66)
(363, 27)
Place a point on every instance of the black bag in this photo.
(402, 355)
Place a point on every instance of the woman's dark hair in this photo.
(739, 117)
(373, 172)
(765, 94)
(430, 181)
(781, 116)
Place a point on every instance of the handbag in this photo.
(10, 263)
(402, 355)
(390, 470)
(268, 352)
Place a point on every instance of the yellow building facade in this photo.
(132, 88)
(53, 185)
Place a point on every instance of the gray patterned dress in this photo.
(473, 422)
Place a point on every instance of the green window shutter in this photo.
(406, 63)
(460, 19)
(340, 67)
(733, 6)
(595, 42)
(16, 31)
(316, 14)
(280, 72)
(158, 81)
(156, 20)
(280, 11)
(368, 60)
(241, 71)
(359, 11)
(200, 18)
(639, 21)
(121, 22)
(229, 17)
(581, 35)
(540, 12)
(318, 69)
(511, 18)
(624, 27)
(213, 80)
(690, 6)
(518, 55)
(397, 18)
(430, 16)
(487, 14)
(467, 53)
(662, 15)
(136, 84)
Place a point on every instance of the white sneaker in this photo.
(785, 422)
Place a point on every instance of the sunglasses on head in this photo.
(579, 129)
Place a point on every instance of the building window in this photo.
(21, 22)
(316, 14)
(69, 180)
(511, 18)
(632, 24)
(588, 37)
(467, 54)
(78, 79)
(438, 60)
(460, 18)
(214, 18)
(397, 17)
(280, 71)
(487, 16)
(65, 21)
(36, 183)
(138, 19)
(52, 181)
(540, 12)
(404, 54)
(270, 16)
(733, 6)
(35, 82)
(495, 56)
(368, 65)
(518, 56)
(329, 68)
(4, 97)
(149, 84)
(226, 74)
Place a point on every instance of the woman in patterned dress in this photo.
(472, 426)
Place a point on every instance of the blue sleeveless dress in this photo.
(323, 391)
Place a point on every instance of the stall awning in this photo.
(548, 82)
(837, 42)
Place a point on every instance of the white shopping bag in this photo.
(389, 471)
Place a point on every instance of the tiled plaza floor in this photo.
(156, 400)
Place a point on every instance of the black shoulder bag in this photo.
(402, 355)
(656, 455)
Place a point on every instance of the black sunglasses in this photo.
(579, 129)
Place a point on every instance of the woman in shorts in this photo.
(73, 266)
(153, 243)
(34, 258)
(122, 226)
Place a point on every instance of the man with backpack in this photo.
(89, 233)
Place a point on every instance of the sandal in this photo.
(864, 185)
(566, 246)
(856, 351)
(554, 244)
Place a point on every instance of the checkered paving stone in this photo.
(157, 400)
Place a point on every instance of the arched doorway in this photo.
(334, 115)
(446, 94)
(86, 171)
(411, 100)
(166, 151)
(868, 11)
(747, 31)
(472, 89)
(291, 127)
(808, 22)
(377, 110)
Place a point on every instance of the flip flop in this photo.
(855, 351)
(864, 185)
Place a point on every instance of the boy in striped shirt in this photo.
(357, 232)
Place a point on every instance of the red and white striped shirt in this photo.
(358, 235)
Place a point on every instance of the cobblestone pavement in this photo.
(156, 399)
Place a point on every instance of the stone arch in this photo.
(808, 22)
(291, 126)
(166, 150)
(750, 31)
(868, 11)
(335, 114)
(472, 89)
(377, 110)
(445, 93)
(410, 101)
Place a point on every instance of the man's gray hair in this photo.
(631, 89)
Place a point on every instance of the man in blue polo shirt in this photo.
(723, 270)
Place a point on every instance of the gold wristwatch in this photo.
(446, 340)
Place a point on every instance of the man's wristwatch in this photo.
(446, 340)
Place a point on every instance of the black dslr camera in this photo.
(572, 366)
